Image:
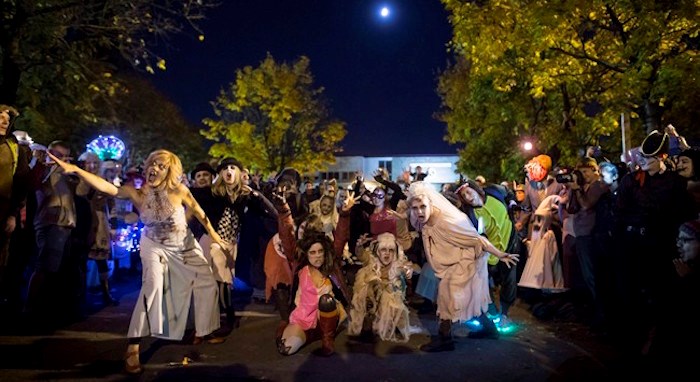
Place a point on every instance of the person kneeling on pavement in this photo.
(379, 294)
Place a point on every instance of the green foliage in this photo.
(272, 117)
(60, 58)
(562, 72)
(146, 126)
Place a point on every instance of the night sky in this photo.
(379, 74)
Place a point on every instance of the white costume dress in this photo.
(455, 251)
(543, 269)
(175, 272)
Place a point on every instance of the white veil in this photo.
(437, 200)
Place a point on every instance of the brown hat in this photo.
(655, 144)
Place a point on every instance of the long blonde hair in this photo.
(172, 180)
(236, 190)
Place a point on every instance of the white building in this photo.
(440, 168)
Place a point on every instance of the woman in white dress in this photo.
(175, 270)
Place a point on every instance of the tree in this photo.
(146, 126)
(59, 57)
(272, 117)
(563, 71)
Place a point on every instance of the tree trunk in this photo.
(651, 116)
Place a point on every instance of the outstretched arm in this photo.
(95, 181)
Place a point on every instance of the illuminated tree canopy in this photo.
(563, 71)
(272, 117)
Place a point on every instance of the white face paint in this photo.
(420, 209)
(156, 172)
(386, 251)
(471, 197)
(316, 255)
(230, 174)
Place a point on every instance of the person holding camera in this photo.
(585, 191)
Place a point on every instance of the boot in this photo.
(443, 341)
(488, 329)
(282, 301)
(106, 295)
(328, 323)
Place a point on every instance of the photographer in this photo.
(585, 191)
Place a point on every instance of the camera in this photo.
(574, 176)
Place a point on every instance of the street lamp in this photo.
(527, 146)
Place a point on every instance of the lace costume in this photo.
(175, 273)
(385, 291)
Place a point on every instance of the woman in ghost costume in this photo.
(457, 254)
(379, 294)
(543, 269)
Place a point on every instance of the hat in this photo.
(228, 162)
(655, 144)
(289, 173)
(202, 166)
(544, 160)
(587, 162)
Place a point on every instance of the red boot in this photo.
(328, 323)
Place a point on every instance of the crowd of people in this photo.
(614, 240)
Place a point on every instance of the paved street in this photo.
(92, 349)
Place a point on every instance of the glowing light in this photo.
(384, 12)
(109, 147)
(527, 146)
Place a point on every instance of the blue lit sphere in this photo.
(109, 147)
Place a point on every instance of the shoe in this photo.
(209, 339)
(131, 368)
(109, 300)
(504, 324)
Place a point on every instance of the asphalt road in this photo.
(92, 349)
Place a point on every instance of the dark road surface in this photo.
(92, 349)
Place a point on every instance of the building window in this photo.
(386, 164)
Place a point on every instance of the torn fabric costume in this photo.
(379, 296)
(543, 269)
(455, 251)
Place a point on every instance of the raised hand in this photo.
(277, 196)
(350, 201)
(68, 168)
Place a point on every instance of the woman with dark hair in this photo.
(318, 290)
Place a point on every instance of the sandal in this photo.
(132, 368)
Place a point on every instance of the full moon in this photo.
(384, 12)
